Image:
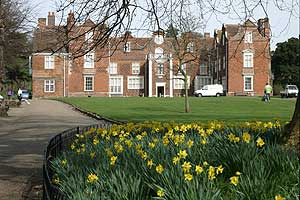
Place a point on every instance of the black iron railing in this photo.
(56, 146)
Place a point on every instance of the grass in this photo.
(230, 109)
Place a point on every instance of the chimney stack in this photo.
(264, 27)
(42, 23)
(51, 19)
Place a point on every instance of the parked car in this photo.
(25, 94)
(210, 90)
(289, 91)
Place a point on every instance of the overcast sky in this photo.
(281, 29)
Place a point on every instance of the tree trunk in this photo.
(186, 96)
(291, 130)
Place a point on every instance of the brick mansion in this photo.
(236, 56)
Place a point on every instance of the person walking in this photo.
(20, 94)
(268, 90)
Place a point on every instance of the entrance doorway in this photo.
(160, 91)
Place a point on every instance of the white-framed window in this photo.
(88, 83)
(135, 82)
(183, 67)
(160, 69)
(127, 47)
(203, 69)
(179, 83)
(89, 60)
(248, 37)
(116, 85)
(113, 68)
(49, 85)
(135, 68)
(89, 36)
(248, 59)
(190, 47)
(49, 62)
(248, 83)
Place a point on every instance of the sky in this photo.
(282, 26)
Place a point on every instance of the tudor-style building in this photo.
(130, 66)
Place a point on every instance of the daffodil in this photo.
(220, 169)
(176, 159)
(260, 142)
(56, 180)
(95, 141)
(211, 173)
(246, 137)
(186, 166)
(64, 162)
(182, 154)
(92, 155)
(160, 193)
(198, 169)
(190, 143)
(159, 169)
(279, 197)
(188, 177)
(92, 178)
(150, 163)
(231, 137)
(113, 160)
(151, 145)
(234, 180)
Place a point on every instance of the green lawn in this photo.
(202, 109)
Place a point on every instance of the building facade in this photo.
(152, 67)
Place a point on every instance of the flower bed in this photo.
(151, 160)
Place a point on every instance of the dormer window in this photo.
(127, 47)
(248, 37)
(190, 47)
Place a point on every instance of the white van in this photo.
(210, 90)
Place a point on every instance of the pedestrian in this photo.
(9, 93)
(268, 90)
(20, 94)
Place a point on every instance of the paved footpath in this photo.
(23, 138)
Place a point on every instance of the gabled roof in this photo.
(88, 23)
(248, 22)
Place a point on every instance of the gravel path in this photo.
(23, 138)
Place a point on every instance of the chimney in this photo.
(70, 19)
(264, 27)
(51, 19)
(42, 23)
(206, 35)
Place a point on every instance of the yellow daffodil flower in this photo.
(182, 154)
(188, 177)
(113, 160)
(279, 197)
(92, 178)
(159, 169)
(234, 180)
(246, 137)
(198, 169)
(186, 166)
(160, 193)
(176, 159)
(260, 142)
